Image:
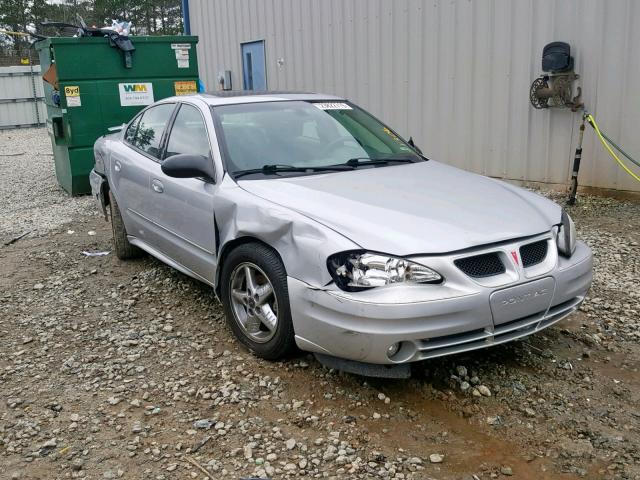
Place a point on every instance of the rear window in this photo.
(149, 129)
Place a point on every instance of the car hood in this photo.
(424, 207)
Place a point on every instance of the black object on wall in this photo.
(556, 57)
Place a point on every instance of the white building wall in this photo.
(453, 74)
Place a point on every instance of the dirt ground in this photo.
(112, 369)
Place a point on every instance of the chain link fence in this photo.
(13, 58)
(16, 49)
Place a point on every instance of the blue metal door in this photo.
(254, 74)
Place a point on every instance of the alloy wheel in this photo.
(254, 303)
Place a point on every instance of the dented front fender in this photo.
(302, 243)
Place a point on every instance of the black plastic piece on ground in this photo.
(402, 370)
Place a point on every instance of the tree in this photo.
(20, 16)
(148, 17)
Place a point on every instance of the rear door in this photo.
(182, 208)
(131, 166)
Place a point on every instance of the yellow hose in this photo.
(17, 34)
(592, 122)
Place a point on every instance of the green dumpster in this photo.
(89, 89)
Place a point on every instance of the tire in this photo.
(251, 323)
(124, 250)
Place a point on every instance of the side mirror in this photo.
(186, 165)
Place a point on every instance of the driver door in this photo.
(182, 208)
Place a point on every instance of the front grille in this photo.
(480, 266)
(486, 337)
(533, 253)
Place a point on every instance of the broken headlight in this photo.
(355, 271)
(566, 236)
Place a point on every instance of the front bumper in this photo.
(98, 183)
(434, 320)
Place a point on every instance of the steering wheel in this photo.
(329, 147)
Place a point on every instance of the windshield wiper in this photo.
(364, 161)
(275, 169)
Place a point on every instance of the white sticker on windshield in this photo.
(333, 106)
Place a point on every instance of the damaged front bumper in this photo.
(98, 184)
(400, 324)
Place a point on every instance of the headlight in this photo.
(354, 271)
(566, 236)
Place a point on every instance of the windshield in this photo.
(299, 135)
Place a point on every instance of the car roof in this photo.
(229, 97)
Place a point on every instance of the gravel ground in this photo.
(30, 197)
(114, 369)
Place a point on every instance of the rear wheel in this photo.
(124, 250)
(256, 301)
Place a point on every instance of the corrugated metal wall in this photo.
(454, 74)
(21, 95)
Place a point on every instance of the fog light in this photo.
(393, 349)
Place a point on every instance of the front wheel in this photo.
(124, 250)
(256, 301)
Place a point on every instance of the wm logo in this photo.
(134, 87)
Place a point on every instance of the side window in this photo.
(130, 134)
(151, 126)
(189, 134)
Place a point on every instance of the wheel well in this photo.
(105, 192)
(231, 245)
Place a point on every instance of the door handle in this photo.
(117, 166)
(157, 186)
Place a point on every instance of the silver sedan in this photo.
(320, 227)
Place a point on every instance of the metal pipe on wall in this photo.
(185, 17)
